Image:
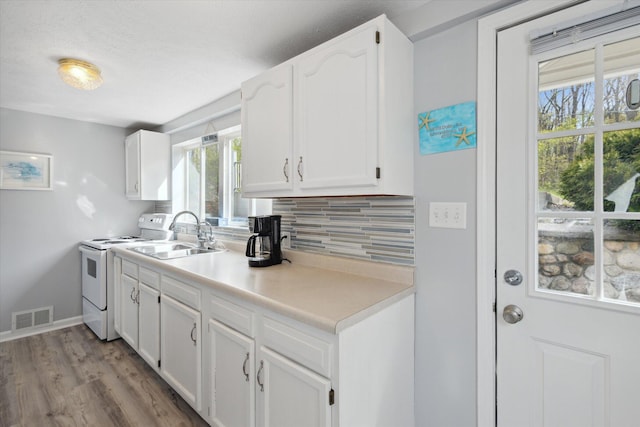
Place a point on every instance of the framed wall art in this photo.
(25, 171)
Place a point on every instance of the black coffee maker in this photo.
(263, 247)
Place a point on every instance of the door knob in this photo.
(513, 277)
(512, 314)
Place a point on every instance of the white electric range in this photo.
(97, 271)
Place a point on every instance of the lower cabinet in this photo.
(149, 324)
(232, 382)
(180, 361)
(290, 394)
(258, 368)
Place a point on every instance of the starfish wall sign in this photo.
(447, 129)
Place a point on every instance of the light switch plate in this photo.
(447, 215)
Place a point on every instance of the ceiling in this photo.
(161, 59)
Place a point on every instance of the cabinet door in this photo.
(232, 377)
(336, 113)
(267, 131)
(117, 292)
(149, 324)
(129, 310)
(132, 166)
(290, 395)
(180, 345)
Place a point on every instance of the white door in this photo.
(180, 349)
(149, 324)
(132, 165)
(290, 395)
(267, 131)
(567, 219)
(232, 377)
(129, 310)
(336, 113)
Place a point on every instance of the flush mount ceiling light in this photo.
(79, 74)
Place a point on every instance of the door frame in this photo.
(488, 28)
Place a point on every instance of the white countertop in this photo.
(330, 293)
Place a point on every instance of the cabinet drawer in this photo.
(232, 315)
(303, 348)
(130, 269)
(150, 278)
(182, 292)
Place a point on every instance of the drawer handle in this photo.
(300, 169)
(285, 169)
(244, 368)
(260, 383)
(192, 332)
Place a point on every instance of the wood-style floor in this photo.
(70, 378)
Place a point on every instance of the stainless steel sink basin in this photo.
(171, 250)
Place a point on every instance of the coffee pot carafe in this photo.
(263, 247)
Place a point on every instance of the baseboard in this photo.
(57, 324)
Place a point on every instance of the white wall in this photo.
(40, 230)
(445, 74)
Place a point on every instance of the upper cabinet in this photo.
(147, 165)
(336, 120)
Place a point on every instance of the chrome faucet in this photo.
(173, 223)
(203, 238)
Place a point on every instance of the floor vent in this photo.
(32, 318)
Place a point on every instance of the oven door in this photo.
(94, 276)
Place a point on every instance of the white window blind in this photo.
(586, 30)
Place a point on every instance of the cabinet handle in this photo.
(135, 187)
(192, 337)
(260, 383)
(300, 169)
(244, 368)
(131, 294)
(138, 297)
(285, 169)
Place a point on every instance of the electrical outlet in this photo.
(285, 238)
(447, 215)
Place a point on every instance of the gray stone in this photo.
(626, 281)
(544, 281)
(633, 294)
(581, 286)
(583, 258)
(590, 273)
(551, 269)
(545, 249)
(629, 260)
(613, 270)
(560, 283)
(562, 258)
(610, 291)
(614, 245)
(572, 270)
(547, 259)
(609, 258)
(568, 248)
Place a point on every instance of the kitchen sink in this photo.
(172, 250)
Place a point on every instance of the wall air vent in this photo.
(29, 319)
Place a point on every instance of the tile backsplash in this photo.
(380, 228)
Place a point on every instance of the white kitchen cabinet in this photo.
(353, 120)
(129, 310)
(232, 383)
(149, 323)
(147, 165)
(180, 344)
(267, 138)
(291, 395)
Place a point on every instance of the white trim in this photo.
(488, 28)
(58, 324)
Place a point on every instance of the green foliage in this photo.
(621, 160)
